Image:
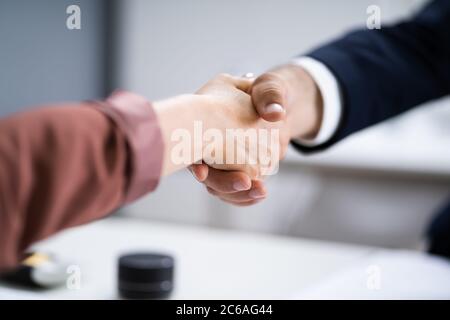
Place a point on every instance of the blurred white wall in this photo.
(170, 47)
(382, 198)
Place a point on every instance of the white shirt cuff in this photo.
(331, 96)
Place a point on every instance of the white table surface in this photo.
(210, 264)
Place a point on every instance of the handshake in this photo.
(234, 131)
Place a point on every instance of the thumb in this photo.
(269, 97)
(200, 171)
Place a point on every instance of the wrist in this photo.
(177, 119)
(304, 116)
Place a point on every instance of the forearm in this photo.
(383, 73)
(67, 165)
(59, 167)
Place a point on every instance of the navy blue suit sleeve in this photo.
(385, 72)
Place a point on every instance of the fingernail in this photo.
(195, 176)
(256, 194)
(274, 108)
(239, 186)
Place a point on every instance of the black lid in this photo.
(145, 275)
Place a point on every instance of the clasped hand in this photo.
(235, 130)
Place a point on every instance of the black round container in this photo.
(145, 276)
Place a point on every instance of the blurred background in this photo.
(380, 187)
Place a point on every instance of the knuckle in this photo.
(270, 92)
(211, 191)
(268, 77)
(224, 76)
(271, 78)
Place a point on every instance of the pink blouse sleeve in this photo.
(136, 118)
(67, 165)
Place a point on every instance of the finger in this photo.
(242, 204)
(227, 181)
(269, 96)
(244, 84)
(200, 171)
(257, 192)
(253, 171)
